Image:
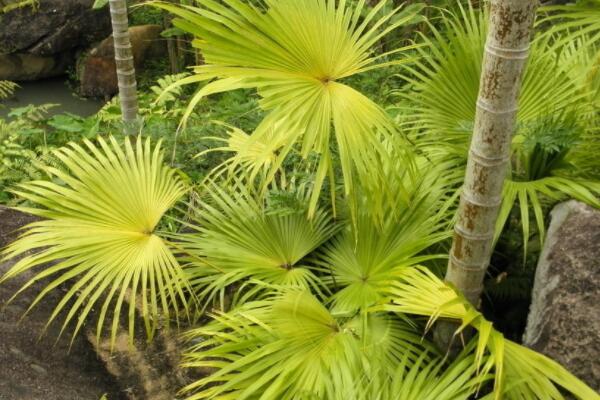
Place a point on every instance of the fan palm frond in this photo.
(443, 101)
(581, 58)
(365, 259)
(360, 262)
(292, 347)
(572, 21)
(236, 240)
(251, 156)
(529, 198)
(99, 233)
(433, 379)
(280, 51)
(553, 161)
(420, 292)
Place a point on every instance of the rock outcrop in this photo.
(29, 67)
(96, 70)
(564, 319)
(145, 371)
(51, 369)
(34, 367)
(47, 36)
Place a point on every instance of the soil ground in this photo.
(34, 368)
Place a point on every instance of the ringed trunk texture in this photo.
(506, 52)
(125, 65)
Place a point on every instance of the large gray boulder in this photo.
(53, 31)
(564, 319)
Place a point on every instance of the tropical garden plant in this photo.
(557, 135)
(105, 237)
(579, 19)
(279, 51)
(7, 89)
(306, 288)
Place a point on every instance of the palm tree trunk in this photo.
(125, 65)
(171, 50)
(506, 52)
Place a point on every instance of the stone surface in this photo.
(46, 369)
(145, 371)
(564, 319)
(96, 70)
(28, 67)
(42, 368)
(40, 43)
(54, 27)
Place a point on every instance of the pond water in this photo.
(55, 91)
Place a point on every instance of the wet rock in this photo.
(41, 42)
(29, 67)
(96, 70)
(54, 27)
(564, 319)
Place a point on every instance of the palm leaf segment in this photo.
(573, 21)
(360, 263)
(236, 240)
(574, 30)
(420, 292)
(98, 231)
(7, 88)
(292, 347)
(446, 84)
(281, 52)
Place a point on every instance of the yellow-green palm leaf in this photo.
(7, 88)
(573, 20)
(98, 233)
(297, 53)
(292, 347)
(236, 240)
(420, 292)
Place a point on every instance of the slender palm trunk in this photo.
(125, 65)
(506, 52)
(171, 49)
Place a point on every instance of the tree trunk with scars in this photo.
(125, 66)
(506, 52)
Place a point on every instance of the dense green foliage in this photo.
(557, 136)
(298, 212)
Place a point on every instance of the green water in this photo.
(55, 91)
